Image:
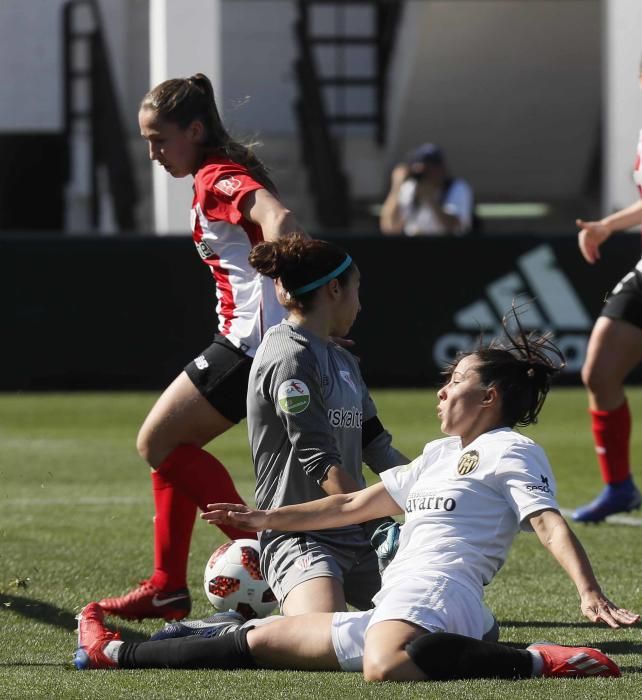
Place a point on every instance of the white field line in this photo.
(611, 520)
(82, 501)
(136, 500)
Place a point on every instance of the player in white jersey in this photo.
(465, 498)
(234, 208)
(614, 350)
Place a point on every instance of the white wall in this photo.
(31, 65)
(126, 34)
(259, 51)
(257, 55)
(32, 56)
(185, 39)
(511, 90)
(622, 100)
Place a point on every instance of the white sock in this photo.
(538, 663)
(111, 650)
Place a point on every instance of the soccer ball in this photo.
(233, 580)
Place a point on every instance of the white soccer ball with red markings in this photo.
(233, 580)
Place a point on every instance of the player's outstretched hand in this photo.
(600, 609)
(236, 514)
(591, 237)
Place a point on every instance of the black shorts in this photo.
(625, 301)
(221, 373)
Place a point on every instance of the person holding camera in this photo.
(424, 200)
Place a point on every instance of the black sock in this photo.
(443, 657)
(229, 651)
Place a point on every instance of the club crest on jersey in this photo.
(293, 396)
(228, 186)
(347, 378)
(468, 462)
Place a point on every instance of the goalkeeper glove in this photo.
(385, 540)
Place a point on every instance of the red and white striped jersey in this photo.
(247, 304)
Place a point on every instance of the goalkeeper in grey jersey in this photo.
(312, 424)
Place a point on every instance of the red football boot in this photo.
(574, 662)
(147, 601)
(93, 636)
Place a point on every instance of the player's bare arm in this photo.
(337, 480)
(593, 233)
(332, 511)
(555, 534)
(263, 208)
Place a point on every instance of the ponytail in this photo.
(183, 100)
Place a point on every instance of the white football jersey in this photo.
(464, 506)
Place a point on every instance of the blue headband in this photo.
(325, 279)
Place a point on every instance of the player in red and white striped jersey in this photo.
(614, 349)
(235, 206)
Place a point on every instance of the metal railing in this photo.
(96, 137)
(318, 124)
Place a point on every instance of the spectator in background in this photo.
(424, 200)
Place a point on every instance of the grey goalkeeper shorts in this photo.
(293, 559)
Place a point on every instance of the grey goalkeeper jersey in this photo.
(306, 407)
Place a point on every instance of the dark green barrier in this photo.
(128, 313)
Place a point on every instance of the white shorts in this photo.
(438, 604)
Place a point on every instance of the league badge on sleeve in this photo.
(293, 396)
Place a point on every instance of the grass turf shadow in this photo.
(40, 611)
(547, 623)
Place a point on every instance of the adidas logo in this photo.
(556, 307)
(585, 665)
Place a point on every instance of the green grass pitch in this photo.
(76, 524)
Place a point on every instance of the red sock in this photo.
(203, 479)
(612, 433)
(173, 525)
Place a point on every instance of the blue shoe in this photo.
(212, 626)
(614, 498)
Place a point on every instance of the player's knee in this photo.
(595, 379)
(143, 444)
(150, 447)
(378, 667)
(373, 673)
